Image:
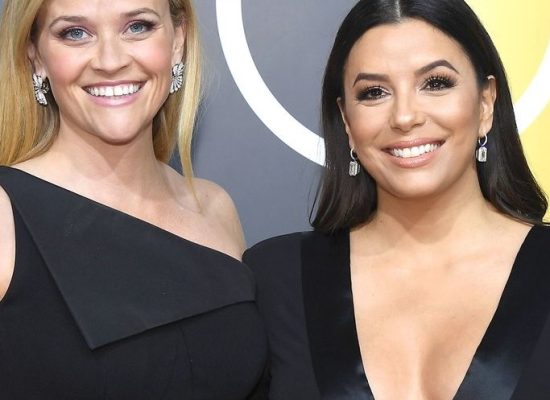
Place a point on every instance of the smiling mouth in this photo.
(113, 91)
(414, 151)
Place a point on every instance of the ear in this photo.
(487, 106)
(36, 61)
(179, 43)
(342, 107)
(34, 58)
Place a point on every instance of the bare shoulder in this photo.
(7, 242)
(216, 204)
(216, 221)
(510, 229)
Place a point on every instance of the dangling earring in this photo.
(353, 164)
(481, 152)
(41, 87)
(177, 77)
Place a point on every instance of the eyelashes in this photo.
(142, 26)
(433, 83)
(371, 93)
(439, 82)
(73, 34)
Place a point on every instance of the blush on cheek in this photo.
(366, 124)
(157, 54)
(462, 114)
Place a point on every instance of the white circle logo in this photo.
(279, 121)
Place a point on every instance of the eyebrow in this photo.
(383, 77)
(80, 18)
(139, 11)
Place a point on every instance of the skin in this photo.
(435, 258)
(104, 149)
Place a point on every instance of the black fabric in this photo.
(105, 306)
(326, 285)
(305, 297)
(280, 301)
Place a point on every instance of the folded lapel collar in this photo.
(118, 275)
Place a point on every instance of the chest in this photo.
(423, 325)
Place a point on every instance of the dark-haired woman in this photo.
(428, 273)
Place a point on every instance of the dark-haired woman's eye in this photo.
(371, 93)
(439, 82)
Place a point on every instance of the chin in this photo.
(412, 192)
(117, 138)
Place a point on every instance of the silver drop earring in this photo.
(354, 166)
(481, 152)
(177, 77)
(41, 87)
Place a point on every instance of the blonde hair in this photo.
(28, 129)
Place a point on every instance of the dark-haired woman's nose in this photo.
(406, 113)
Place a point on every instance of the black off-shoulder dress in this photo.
(106, 306)
(304, 295)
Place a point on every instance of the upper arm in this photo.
(7, 242)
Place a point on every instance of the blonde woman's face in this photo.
(108, 63)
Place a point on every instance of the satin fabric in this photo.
(497, 364)
(511, 361)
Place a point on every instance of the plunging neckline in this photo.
(503, 350)
(482, 346)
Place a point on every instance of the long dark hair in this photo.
(344, 202)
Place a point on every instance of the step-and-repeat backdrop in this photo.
(258, 136)
(258, 130)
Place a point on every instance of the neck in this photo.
(88, 164)
(448, 216)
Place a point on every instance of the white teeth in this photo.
(414, 151)
(113, 91)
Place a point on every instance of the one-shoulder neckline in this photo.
(119, 275)
(119, 212)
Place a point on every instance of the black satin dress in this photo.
(106, 306)
(304, 295)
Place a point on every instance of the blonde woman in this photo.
(119, 278)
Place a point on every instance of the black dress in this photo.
(103, 305)
(304, 295)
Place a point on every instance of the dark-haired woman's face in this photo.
(413, 110)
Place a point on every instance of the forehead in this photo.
(404, 45)
(100, 8)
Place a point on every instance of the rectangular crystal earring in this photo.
(481, 152)
(353, 169)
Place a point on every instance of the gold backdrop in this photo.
(521, 31)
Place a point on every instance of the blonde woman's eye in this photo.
(140, 27)
(74, 34)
